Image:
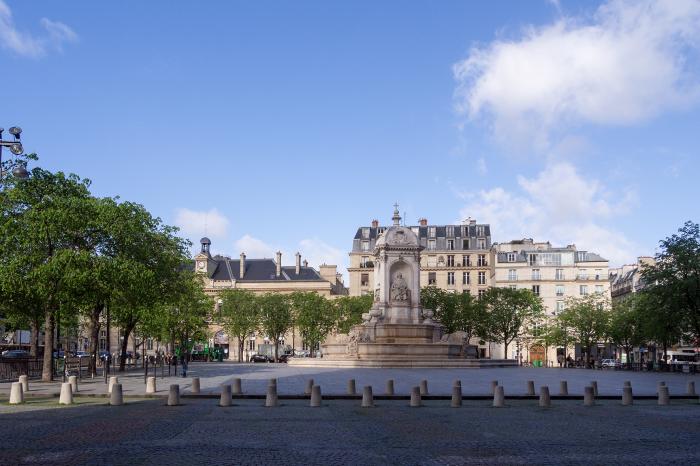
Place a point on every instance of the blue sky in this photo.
(286, 125)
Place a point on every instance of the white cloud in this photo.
(559, 205)
(195, 224)
(628, 62)
(481, 166)
(25, 44)
(318, 252)
(255, 248)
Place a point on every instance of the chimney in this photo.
(279, 263)
(298, 262)
(242, 271)
(423, 222)
(306, 263)
(472, 221)
(328, 272)
(375, 223)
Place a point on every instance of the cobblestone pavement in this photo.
(340, 432)
(291, 380)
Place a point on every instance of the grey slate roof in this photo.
(223, 268)
(440, 231)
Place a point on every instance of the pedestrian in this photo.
(184, 365)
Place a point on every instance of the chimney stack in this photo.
(242, 270)
(279, 263)
(306, 263)
(423, 222)
(375, 223)
(472, 221)
(298, 262)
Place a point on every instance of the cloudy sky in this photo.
(286, 125)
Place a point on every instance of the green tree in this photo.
(314, 316)
(240, 315)
(275, 317)
(661, 319)
(674, 280)
(349, 310)
(506, 314)
(625, 328)
(587, 318)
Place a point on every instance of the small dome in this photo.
(205, 240)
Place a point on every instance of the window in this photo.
(466, 262)
(511, 257)
(450, 231)
(450, 245)
(560, 290)
(103, 344)
(365, 233)
(480, 230)
(598, 274)
(536, 289)
(481, 262)
(465, 230)
(482, 278)
(149, 344)
(431, 232)
(431, 245)
(365, 245)
(465, 278)
(583, 290)
(599, 289)
(512, 275)
(364, 279)
(481, 243)
(581, 256)
(583, 274)
(450, 261)
(431, 278)
(465, 243)
(559, 274)
(481, 293)
(251, 343)
(363, 261)
(450, 278)
(513, 287)
(536, 274)
(560, 307)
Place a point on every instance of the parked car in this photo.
(260, 358)
(15, 353)
(103, 355)
(82, 354)
(610, 363)
(60, 354)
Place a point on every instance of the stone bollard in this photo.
(664, 398)
(151, 385)
(588, 396)
(367, 397)
(494, 384)
(658, 388)
(225, 396)
(66, 397)
(315, 396)
(351, 387)
(415, 397)
(195, 386)
(627, 383)
(73, 381)
(174, 395)
(545, 400)
(24, 380)
(423, 387)
(531, 387)
(498, 397)
(309, 387)
(563, 388)
(16, 393)
(272, 383)
(594, 384)
(390, 387)
(116, 398)
(456, 396)
(627, 396)
(457, 383)
(112, 381)
(271, 396)
(690, 390)
(236, 389)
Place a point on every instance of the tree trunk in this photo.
(94, 324)
(241, 344)
(277, 342)
(34, 337)
(47, 365)
(125, 345)
(505, 350)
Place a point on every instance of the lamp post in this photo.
(16, 148)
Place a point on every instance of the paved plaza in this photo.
(291, 380)
(340, 432)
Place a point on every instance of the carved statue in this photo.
(399, 289)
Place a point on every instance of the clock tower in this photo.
(203, 259)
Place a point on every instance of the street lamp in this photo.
(16, 148)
